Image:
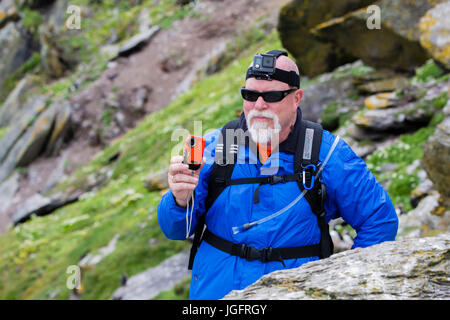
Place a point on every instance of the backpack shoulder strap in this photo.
(221, 172)
(307, 154)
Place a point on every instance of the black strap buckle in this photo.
(249, 253)
(264, 255)
(276, 179)
(264, 77)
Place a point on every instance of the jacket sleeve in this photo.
(172, 217)
(355, 194)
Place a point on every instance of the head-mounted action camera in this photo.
(263, 68)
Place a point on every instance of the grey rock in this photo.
(137, 42)
(41, 128)
(15, 102)
(424, 189)
(56, 176)
(404, 269)
(396, 45)
(415, 222)
(8, 189)
(39, 205)
(435, 32)
(148, 284)
(92, 259)
(62, 127)
(8, 12)
(15, 142)
(15, 49)
(436, 158)
(157, 181)
(317, 96)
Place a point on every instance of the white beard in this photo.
(260, 131)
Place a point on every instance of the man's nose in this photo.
(260, 103)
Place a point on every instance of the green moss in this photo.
(32, 65)
(403, 153)
(3, 131)
(428, 71)
(441, 100)
(31, 20)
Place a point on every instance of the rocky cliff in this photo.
(404, 269)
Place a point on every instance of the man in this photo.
(231, 257)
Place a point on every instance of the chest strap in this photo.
(306, 176)
(266, 254)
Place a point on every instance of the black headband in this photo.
(289, 77)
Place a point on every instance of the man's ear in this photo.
(298, 96)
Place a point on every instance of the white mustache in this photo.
(266, 114)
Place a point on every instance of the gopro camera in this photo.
(264, 64)
(193, 151)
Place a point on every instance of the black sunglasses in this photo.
(268, 96)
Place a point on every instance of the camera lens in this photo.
(192, 142)
(268, 62)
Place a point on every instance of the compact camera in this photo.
(264, 63)
(193, 151)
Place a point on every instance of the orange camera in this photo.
(193, 151)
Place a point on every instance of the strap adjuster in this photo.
(276, 179)
(264, 255)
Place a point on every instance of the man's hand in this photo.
(182, 180)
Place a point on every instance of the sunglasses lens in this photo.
(273, 96)
(249, 95)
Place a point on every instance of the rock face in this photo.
(295, 21)
(15, 49)
(395, 45)
(404, 269)
(325, 34)
(398, 115)
(14, 103)
(40, 129)
(137, 42)
(436, 156)
(435, 33)
(428, 216)
(40, 206)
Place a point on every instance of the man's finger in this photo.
(183, 186)
(176, 159)
(178, 178)
(179, 168)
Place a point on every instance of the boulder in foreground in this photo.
(404, 269)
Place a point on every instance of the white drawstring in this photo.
(189, 221)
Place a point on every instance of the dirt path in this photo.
(164, 69)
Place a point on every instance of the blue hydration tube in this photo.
(249, 225)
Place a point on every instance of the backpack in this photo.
(306, 158)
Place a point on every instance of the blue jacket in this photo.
(353, 193)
